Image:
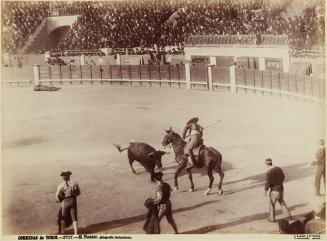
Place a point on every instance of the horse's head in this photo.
(168, 137)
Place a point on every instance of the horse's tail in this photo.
(119, 147)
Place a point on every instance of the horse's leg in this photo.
(191, 180)
(211, 178)
(221, 178)
(178, 171)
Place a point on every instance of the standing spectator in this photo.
(160, 23)
(274, 182)
(162, 199)
(66, 194)
(19, 62)
(321, 168)
(100, 60)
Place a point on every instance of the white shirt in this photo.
(67, 187)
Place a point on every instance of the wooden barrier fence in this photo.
(193, 76)
(151, 74)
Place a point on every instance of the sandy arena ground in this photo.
(44, 133)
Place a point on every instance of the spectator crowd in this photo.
(19, 20)
(145, 23)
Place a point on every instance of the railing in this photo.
(251, 80)
(121, 51)
(191, 76)
(17, 82)
(263, 40)
(91, 52)
(160, 74)
(309, 53)
(64, 11)
(283, 84)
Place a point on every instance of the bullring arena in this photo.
(252, 71)
(74, 129)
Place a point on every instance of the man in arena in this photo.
(162, 199)
(320, 161)
(67, 192)
(274, 181)
(195, 131)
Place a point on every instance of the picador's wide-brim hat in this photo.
(68, 173)
(193, 120)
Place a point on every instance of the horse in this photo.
(209, 158)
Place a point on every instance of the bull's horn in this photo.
(150, 154)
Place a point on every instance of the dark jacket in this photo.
(165, 190)
(275, 179)
(151, 225)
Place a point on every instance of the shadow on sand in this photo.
(104, 226)
(292, 172)
(242, 220)
(226, 166)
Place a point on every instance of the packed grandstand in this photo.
(147, 23)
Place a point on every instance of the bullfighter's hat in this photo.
(193, 120)
(268, 161)
(158, 175)
(322, 142)
(68, 173)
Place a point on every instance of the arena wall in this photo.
(25, 60)
(262, 53)
(14, 74)
(195, 76)
(317, 64)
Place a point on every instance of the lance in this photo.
(207, 126)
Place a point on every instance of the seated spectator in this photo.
(21, 19)
(317, 225)
(312, 223)
(146, 24)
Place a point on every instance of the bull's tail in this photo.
(119, 147)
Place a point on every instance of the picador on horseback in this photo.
(194, 153)
(195, 132)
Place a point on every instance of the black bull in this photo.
(144, 154)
